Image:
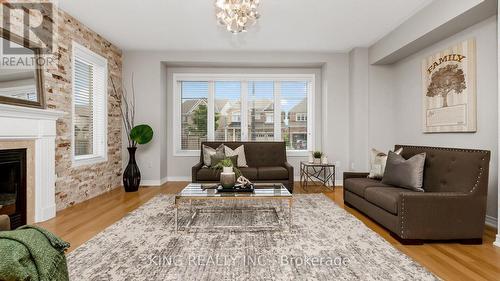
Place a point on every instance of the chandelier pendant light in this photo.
(237, 15)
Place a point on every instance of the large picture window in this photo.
(90, 75)
(243, 108)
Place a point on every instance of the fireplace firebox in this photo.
(13, 185)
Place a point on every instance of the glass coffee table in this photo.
(231, 207)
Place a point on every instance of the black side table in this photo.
(317, 173)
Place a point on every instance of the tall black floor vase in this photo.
(131, 175)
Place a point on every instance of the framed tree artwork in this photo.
(449, 90)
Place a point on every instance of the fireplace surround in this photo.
(33, 130)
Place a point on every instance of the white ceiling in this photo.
(285, 25)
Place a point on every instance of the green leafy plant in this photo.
(317, 154)
(227, 163)
(141, 134)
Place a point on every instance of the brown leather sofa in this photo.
(453, 206)
(266, 163)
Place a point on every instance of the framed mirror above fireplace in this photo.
(21, 75)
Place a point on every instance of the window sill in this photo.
(297, 153)
(187, 153)
(196, 153)
(88, 160)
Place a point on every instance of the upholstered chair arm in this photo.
(4, 223)
(291, 176)
(289, 168)
(441, 215)
(194, 171)
(352, 175)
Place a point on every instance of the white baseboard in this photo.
(497, 243)
(154, 182)
(491, 221)
(46, 213)
(182, 178)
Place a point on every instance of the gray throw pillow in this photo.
(404, 173)
(208, 152)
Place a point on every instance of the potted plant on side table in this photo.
(317, 157)
(140, 134)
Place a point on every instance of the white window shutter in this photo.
(90, 94)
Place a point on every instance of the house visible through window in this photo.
(194, 114)
(227, 111)
(269, 117)
(236, 117)
(276, 109)
(301, 117)
(89, 106)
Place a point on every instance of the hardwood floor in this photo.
(449, 261)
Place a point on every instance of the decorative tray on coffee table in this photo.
(236, 188)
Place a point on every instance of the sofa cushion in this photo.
(386, 198)
(359, 185)
(249, 173)
(272, 173)
(208, 174)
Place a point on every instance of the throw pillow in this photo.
(240, 151)
(404, 173)
(377, 163)
(208, 152)
(216, 158)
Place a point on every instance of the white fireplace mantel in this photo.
(39, 125)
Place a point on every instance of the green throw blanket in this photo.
(32, 253)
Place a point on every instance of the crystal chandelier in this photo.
(237, 15)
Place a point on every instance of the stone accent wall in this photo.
(77, 184)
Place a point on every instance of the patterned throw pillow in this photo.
(240, 151)
(216, 158)
(208, 152)
(378, 162)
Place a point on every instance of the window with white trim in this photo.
(90, 76)
(229, 107)
(301, 117)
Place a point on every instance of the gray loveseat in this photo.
(453, 206)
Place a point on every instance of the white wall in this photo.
(381, 135)
(359, 118)
(497, 242)
(370, 109)
(153, 91)
(407, 101)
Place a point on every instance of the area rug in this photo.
(324, 243)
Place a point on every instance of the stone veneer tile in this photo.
(77, 184)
